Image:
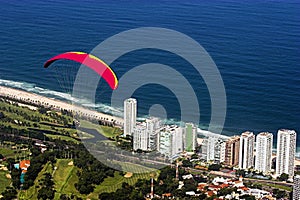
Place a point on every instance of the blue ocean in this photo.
(255, 45)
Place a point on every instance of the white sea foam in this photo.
(30, 87)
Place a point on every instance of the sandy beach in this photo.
(56, 104)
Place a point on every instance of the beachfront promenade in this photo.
(38, 100)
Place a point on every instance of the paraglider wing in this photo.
(90, 61)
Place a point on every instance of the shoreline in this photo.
(39, 100)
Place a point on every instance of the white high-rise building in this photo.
(296, 188)
(211, 147)
(170, 140)
(222, 151)
(263, 154)
(130, 112)
(140, 137)
(246, 156)
(190, 137)
(214, 150)
(286, 149)
(153, 126)
(177, 140)
(164, 143)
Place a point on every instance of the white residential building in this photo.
(140, 137)
(211, 147)
(263, 154)
(246, 156)
(153, 126)
(190, 136)
(164, 143)
(130, 113)
(215, 149)
(170, 140)
(296, 188)
(286, 149)
(222, 151)
(177, 140)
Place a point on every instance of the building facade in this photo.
(222, 151)
(214, 149)
(263, 155)
(246, 156)
(153, 126)
(140, 137)
(296, 188)
(170, 140)
(232, 149)
(130, 113)
(190, 137)
(286, 149)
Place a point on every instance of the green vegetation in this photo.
(30, 123)
(283, 177)
(62, 173)
(4, 181)
(111, 184)
(32, 192)
(6, 151)
(109, 132)
(214, 167)
(63, 137)
(277, 186)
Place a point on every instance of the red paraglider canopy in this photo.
(90, 61)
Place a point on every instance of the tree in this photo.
(194, 156)
(283, 177)
(248, 197)
(186, 163)
(225, 191)
(105, 196)
(45, 193)
(279, 193)
(9, 193)
(240, 172)
(2, 115)
(214, 167)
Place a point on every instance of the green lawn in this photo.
(4, 182)
(6, 152)
(48, 121)
(104, 130)
(32, 192)
(282, 187)
(111, 184)
(69, 187)
(64, 178)
(63, 137)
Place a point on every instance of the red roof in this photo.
(210, 193)
(224, 185)
(24, 164)
(244, 188)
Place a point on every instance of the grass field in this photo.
(32, 192)
(19, 116)
(104, 130)
(281, 187)
(4, 182)
(7, 152)
(64, 178)
(62, 137)
(69, 187)
(111, 184)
